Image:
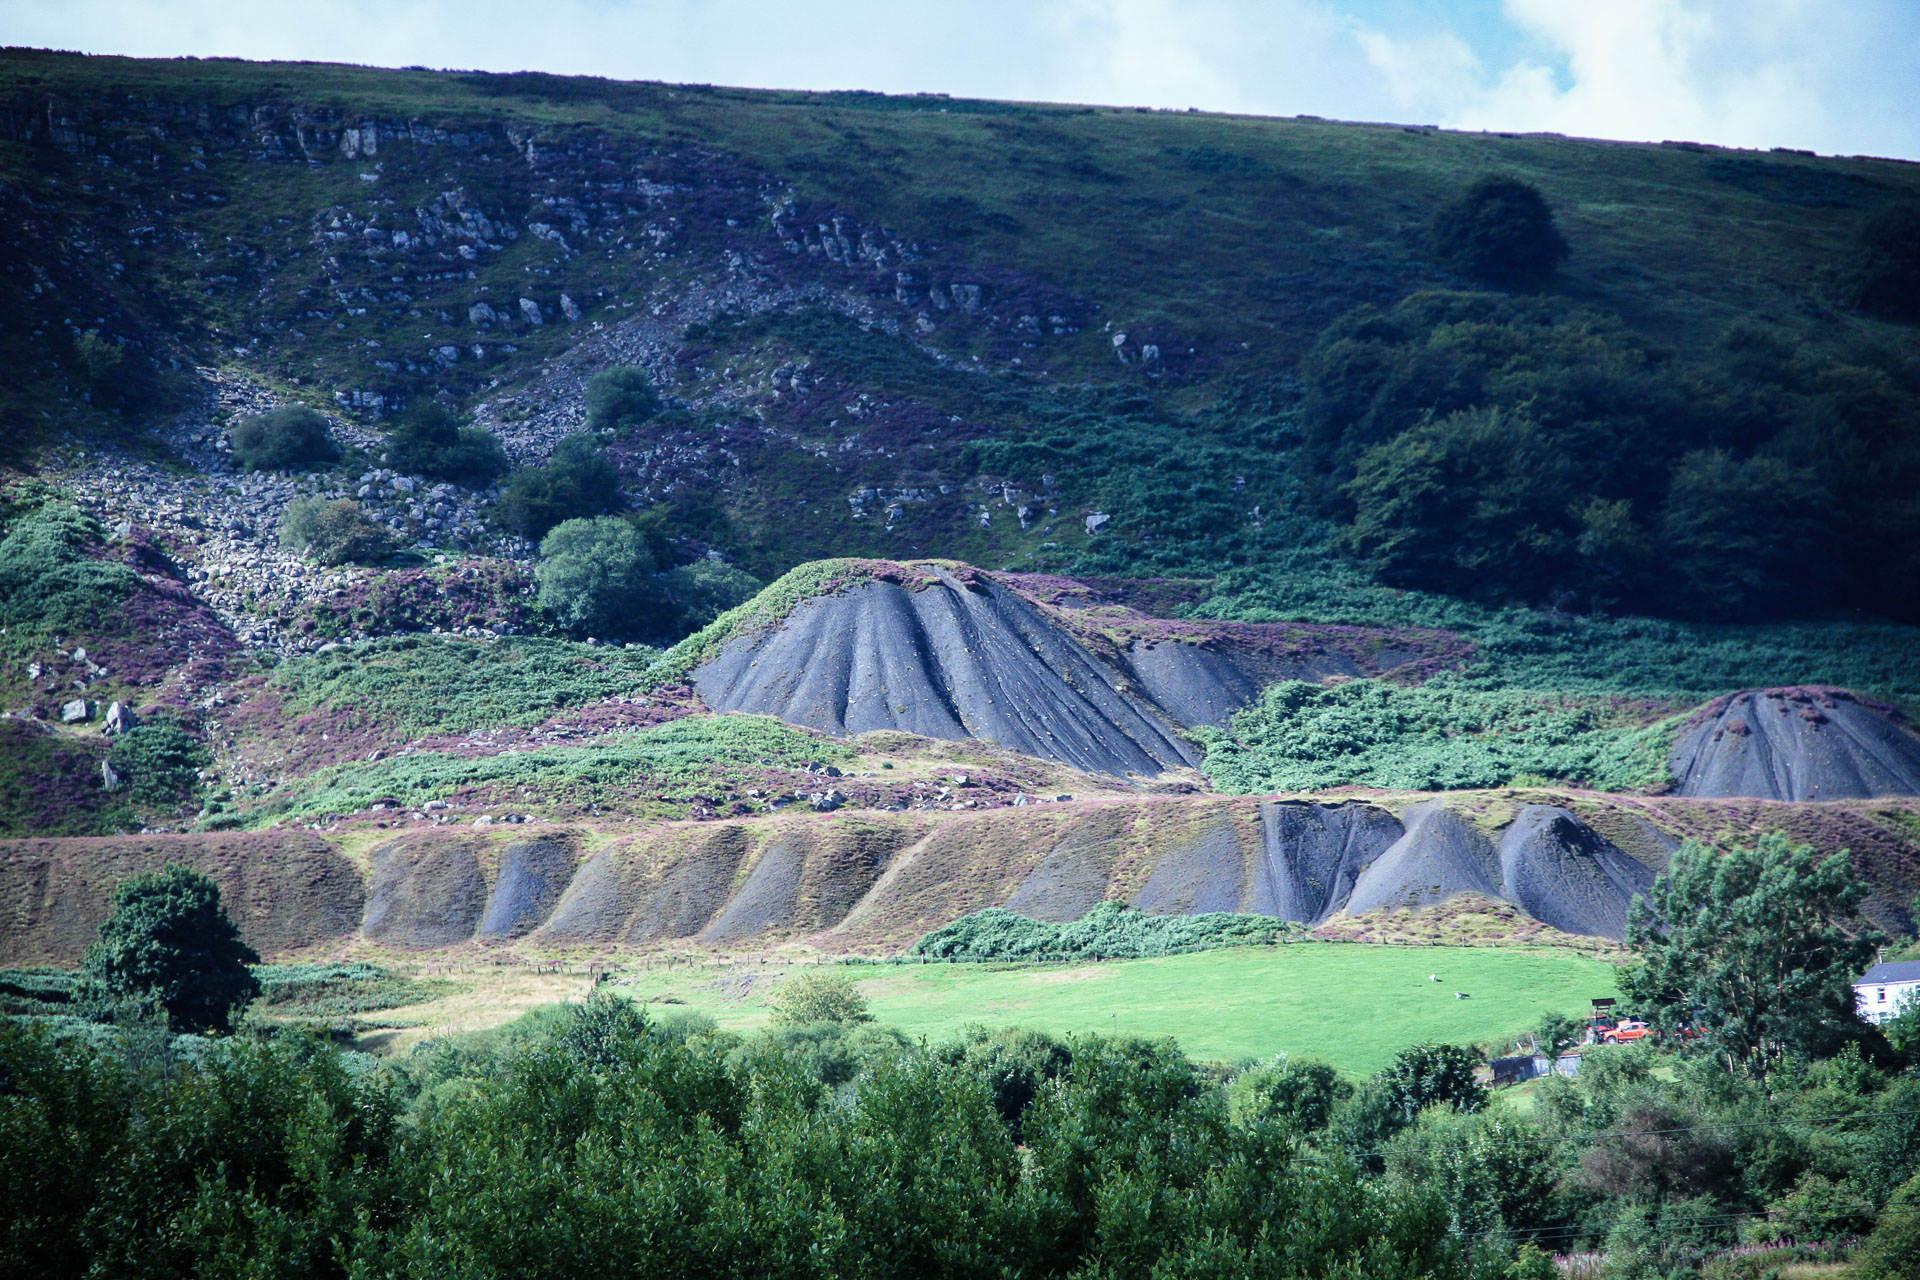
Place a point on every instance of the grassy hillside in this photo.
(1355, 1006)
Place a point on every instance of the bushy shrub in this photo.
(575, 483)
(1112, 930)
(429, 441)
(159, 762)
(597, 578)
(51, 577)
(1892, 1252)
(706, 589)
(619, 398)
(1440, 735)
(819, 995)
(290, 438)
(1300, 1093)
(1881, 274)
(333, 532)
(1501, 232)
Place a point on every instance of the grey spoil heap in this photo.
(956, 661)
(1795, 744)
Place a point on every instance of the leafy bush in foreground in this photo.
(597, 579)
(1440, 735)
(1111, 930)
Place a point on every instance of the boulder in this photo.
(74, 712)
(120, 718)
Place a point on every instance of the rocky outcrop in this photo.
(1795, 744)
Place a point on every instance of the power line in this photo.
(1604, 1134)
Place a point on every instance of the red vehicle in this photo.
(1626, 1031)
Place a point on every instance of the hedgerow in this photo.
(1111, 930)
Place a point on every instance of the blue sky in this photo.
(1835, 76)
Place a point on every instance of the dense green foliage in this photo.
(1534, 449)
(1757, 946)
(620, 398)
(434, 684)
(576, 482)
(1881, 273)
(610, 1149)
(1501, 232)
(598, 578)
(168, 940)
(1111, 930)
(689, 750)
(333, 532)
(431, 441)
(327, 992)
(51, 578)
(1298, 1092)
(290, 438)
(1447, 733)
(159, 761)
(706, 589)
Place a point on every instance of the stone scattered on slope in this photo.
(950, 661)
(1562, 873)
(1795, 744)
(1440, 855)
(1314, 853)
(532, 876)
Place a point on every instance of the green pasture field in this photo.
(1353, 1004)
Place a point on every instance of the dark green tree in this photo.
(596, 577)
(620, 397)
(1761, 945)
(1881, 273)
(1500, 231)
(169, 940)
(576, 482)
(159, 761)
(1555, 1034)
(290, 438)
(1422, 1075)
(431, 441)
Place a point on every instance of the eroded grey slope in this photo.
(1440, 855)
(1795, 744)
(948, 661)
(1561, 872)
(1312, 854)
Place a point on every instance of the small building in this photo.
(1884, 990)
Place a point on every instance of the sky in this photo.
(1833, 76)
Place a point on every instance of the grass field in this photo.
(1352, 1005)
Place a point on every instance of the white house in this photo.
(1884, 990)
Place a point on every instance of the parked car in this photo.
(1626, 1031)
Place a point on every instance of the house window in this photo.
(1883, 995)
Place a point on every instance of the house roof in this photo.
(1898, 971)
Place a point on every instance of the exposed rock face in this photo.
(1440, 854)
(949, 661)
(1561, 872)
(1795, 744)
(1194, 685)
